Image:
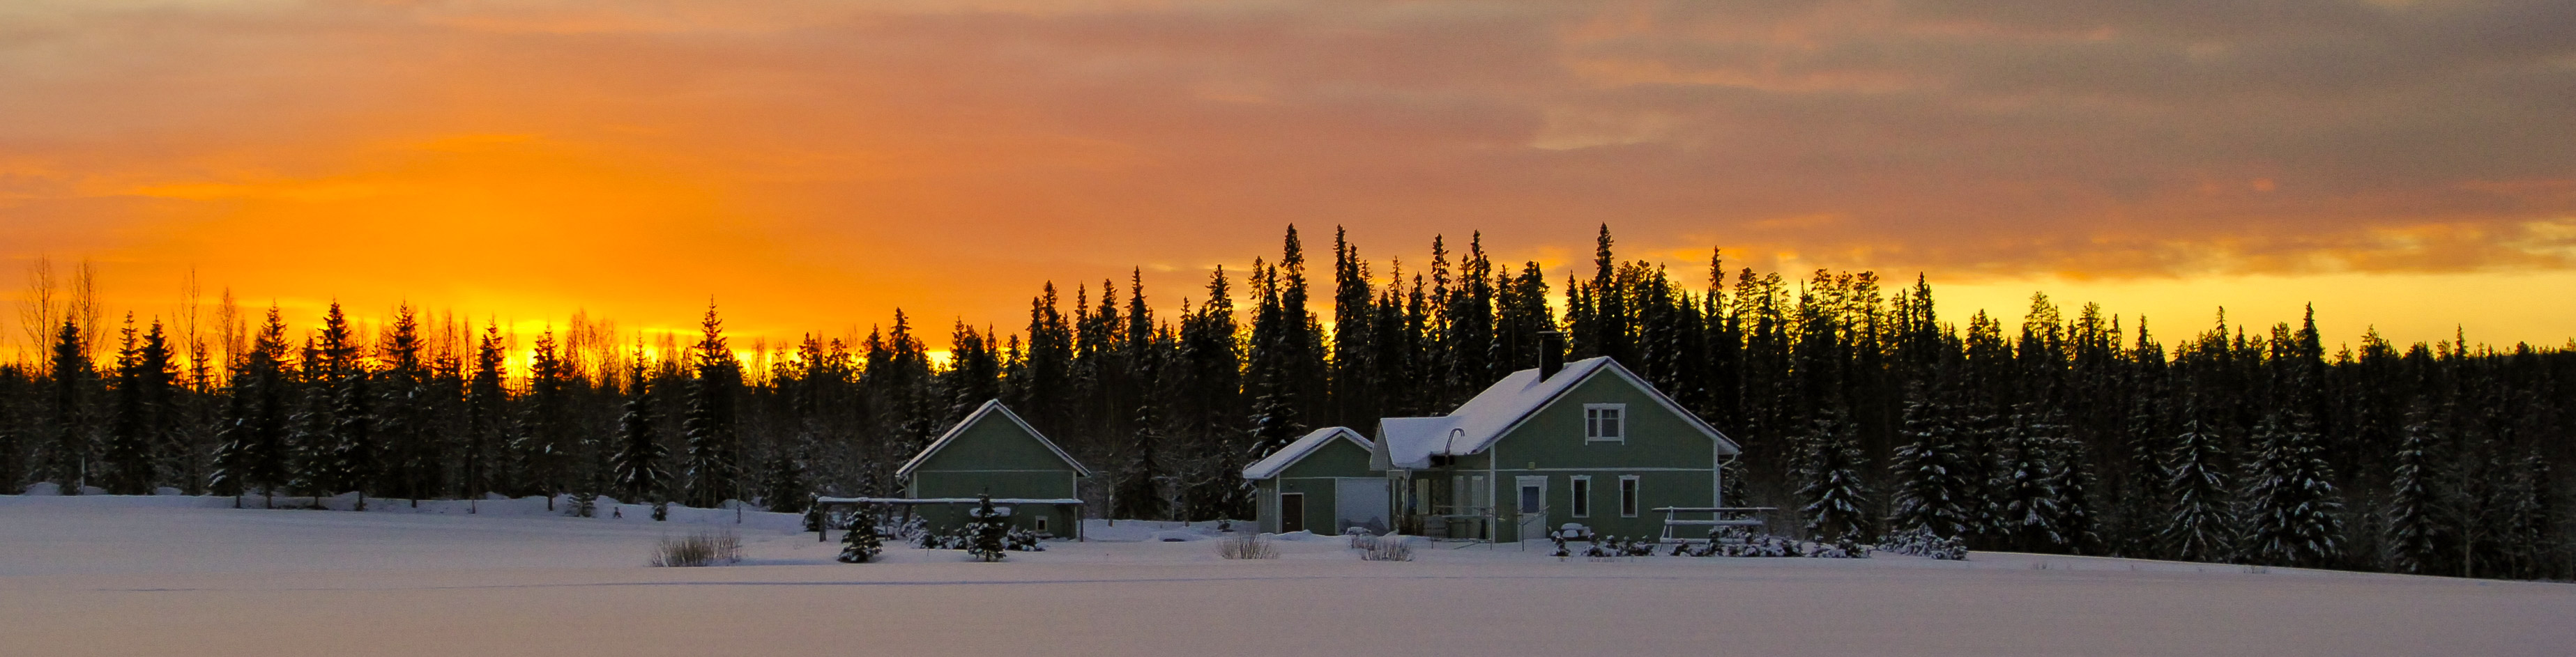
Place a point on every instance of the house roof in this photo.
(989, 408)
(1276, 462)
(1410, 442)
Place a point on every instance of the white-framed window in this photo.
(1605, 423)
(1627, 496)
(1042, 522)
(1582, 491)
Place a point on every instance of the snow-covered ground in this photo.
(189, 576)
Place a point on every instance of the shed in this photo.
(1320, 483)
(994, 452)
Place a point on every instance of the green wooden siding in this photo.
(1674, 462)
(1315, 476)
(994, 456)
(1338, 458)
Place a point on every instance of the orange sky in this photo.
(812, 165)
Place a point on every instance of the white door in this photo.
(1532, 506)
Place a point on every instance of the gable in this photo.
(992, 439)
(1326, 452)
(1656, 433)
(1503, 407)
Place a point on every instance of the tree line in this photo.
(1860, 414)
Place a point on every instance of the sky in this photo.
(812, 165)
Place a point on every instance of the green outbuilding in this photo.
(1320, 483)
(1586, 443)
(993, 452)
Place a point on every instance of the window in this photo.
(1582, 490)
(1042, 522)
(1627, 496)
(1605, 422)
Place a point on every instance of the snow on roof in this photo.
(989, 407)
(1272, 465)
(1410, 442)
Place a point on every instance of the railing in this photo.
(1717, 517)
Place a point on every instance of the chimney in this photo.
(1551, 353)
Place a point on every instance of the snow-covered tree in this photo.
(2413, 532)
(2077, 525)
(862, 542)
(987, 530)
(354, 458)
(2292, 511)
(1837, 500)
(782, 484)
(2203, 525)
(2026, 484)
(710, 423)
(637, 469)
(1933, 490)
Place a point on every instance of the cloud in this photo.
(947, 156)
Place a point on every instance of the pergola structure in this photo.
(826, 504)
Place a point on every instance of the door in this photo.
(1292, 512)
(1359, 502)
(1533, 507)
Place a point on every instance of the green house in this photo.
(993, 452)
(1587, 443)
(1320, 483)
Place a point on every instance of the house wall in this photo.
(1674, 462)
(995, 457)
(1316, 476)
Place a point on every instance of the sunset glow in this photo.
(812, 166)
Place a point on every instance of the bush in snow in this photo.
(1022, 540)
(1387, 548)
(1246, 546)
(862, 542)
(1360, 537)
(1602, 547)
(584, 505)
(706, 547)
(1923, 543)
(1766, 545)
(912, 529)
(1561, 552)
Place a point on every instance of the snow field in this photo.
(129, 576)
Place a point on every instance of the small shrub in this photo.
(1246, 546)
(1924, 543)
(1361, 537)
(861, 543)
(1387, 548)
(705, 547)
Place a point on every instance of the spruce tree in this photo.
(985, 529)
(783, 488)
(1139, 493)
(144, 380)
(404, 411)
(2414, 536)
(486, 411)
(1933, 490)
(2203, 525)
(355, 462)
(67, 456)
(2078, 526)
(1837, 506)
(638, 465)
(709, 423)
(253, 454)
(2028, 486)
(861, 543)
(2292, 510)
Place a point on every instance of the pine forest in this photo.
(2060, 431)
